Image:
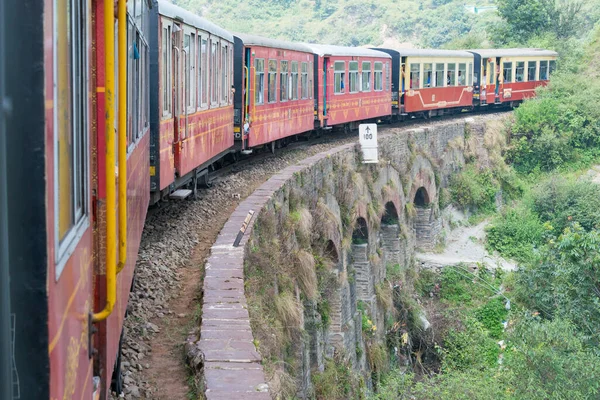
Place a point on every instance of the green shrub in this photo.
(470, 348)
(515, 233)
(491, 315)
(474, 189)
(455, 286)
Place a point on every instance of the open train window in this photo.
(551, 67)
(439, 75)
(427, 73)
(71, 156)
(223, 69)
(531, 69)
(366, 76)
(259, 81)
(304, 80)
(520, 71)
(470, 75)
(378, 76)
(353, 76)
(462, 74)
(294, 80)
(283, 80)
(451, 75)
(272, 84)
(507, 72)
(166, 69)
(415, 76)
(339, 71)
(543, 70)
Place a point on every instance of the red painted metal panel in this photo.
(417, 100)
(167, 156)
(515, 91)
(280, 119)
(209, 133)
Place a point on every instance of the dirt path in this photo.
(465, 244)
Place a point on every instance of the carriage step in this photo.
(180, 194)
(246, 152)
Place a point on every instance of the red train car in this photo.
(353, 84)
(431, 82)
(510, 75)
(273, 91)
(74, 236)
(191, 99)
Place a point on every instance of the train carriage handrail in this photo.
(111, 245)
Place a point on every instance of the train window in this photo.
(353, 76)
(304, 80)
(451, 75)
(230, 73)
(310, 80)
(223, 69)
(283, 80)
(204, 72)
(166, 70)
(507, 72)
(552, 67)
(366, 76)
(339, 71)
(192, 58)
(520, 71)
(259, 82)
(462, 73)
(294, 80)
(531, 69)
(439, 75)
(188, 68)
(387, 76)
(427, 72)
(272, 84)
(415, 75)
(214, 73)
(470, 75)
(70, 128)
(543, 70)
(378, 76)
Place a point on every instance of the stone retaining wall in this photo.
(414, 159)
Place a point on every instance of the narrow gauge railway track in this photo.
(165, 301)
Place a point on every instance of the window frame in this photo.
(378, 73)
(517, 63)
(353, 84)
(462, 68)
(507, 66)
(431, 77)
(79, 58)
(258, 92)
(414, 68)
(339, 75)
(452, 75)
(273, 73)
(436, 70)
(535, 70)
(362, 76)
(294, 81)
(543, 63)
(284, 77)
(304, 80)
(167, 76)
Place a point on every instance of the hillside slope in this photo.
(428, 23)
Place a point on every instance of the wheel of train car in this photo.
(117, 376)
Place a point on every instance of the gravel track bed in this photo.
(164, 304)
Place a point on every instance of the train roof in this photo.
(170, 10)
(324, 49)
(255, 40)
(427, 53)
(526, 52)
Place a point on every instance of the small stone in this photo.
(153, 327)
(181, 315)
(135, 392)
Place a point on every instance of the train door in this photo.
(248, 94)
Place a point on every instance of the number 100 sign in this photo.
(367, 137)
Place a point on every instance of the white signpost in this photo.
(367, 137)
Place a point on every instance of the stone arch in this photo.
(360, 235)
(421, 197)
(422, 175)
(427, 223)
(390, 214)
(331, 252)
